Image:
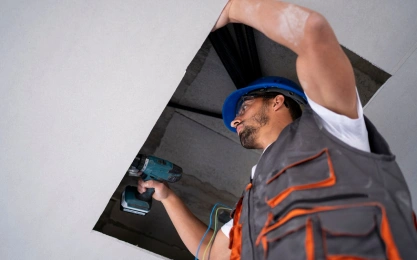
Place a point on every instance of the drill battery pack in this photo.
(131, 203)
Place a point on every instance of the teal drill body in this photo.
(148, 168)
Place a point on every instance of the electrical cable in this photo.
(214, 233)
(208, 228)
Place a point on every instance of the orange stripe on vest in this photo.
(321, 184)
(235, 235)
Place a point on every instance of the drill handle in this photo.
(147, 195)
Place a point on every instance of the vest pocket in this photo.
(312, 172)
(343, 234)
(340, 232)
(294, 240)
(351, 233)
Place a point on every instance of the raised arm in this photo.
(323, 69)
(189, 227)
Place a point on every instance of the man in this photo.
(326, 186)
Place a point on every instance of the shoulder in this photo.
(351, 131)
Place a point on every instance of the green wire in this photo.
(214, 233)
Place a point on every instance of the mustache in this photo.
(241, 123)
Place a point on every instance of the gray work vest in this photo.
(315, 197)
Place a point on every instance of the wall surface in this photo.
(83, 83)
(382, 31)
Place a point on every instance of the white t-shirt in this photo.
(350, 131)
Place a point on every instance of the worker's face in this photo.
(249, 121)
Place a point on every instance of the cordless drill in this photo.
(148, 168)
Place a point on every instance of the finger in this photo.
(153, 184)
(140, 182)
(149, 184)
(141, 189)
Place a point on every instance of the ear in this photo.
(278, 102)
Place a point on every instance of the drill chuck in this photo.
(138, 166)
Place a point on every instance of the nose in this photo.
(235, 122)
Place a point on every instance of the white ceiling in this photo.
(84, 83)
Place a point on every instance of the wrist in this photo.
(169, 196)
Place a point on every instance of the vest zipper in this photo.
(250, 204)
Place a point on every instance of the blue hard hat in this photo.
(282, 85)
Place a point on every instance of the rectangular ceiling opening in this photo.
(191, 134)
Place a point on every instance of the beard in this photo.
(248, 136)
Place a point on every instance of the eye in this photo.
(243, 108)
(244, 104)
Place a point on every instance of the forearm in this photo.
(189, 227)
(288, 24)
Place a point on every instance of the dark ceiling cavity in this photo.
(241, 61)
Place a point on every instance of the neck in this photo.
(271, 133)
